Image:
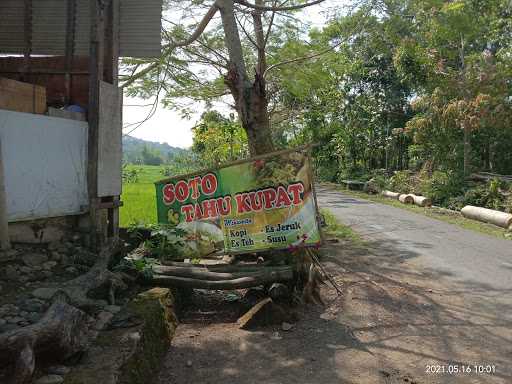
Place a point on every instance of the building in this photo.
(60, 112)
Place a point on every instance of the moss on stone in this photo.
(156, 308)
(131, 355)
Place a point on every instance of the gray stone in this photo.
(50, 379)
(56, 256)
(6, 256)
(8, 327)
(46, 273)
(34, 259)
(34, 317)
(58, 370)
(2, 322)
(102, 319)
(49, 265)
(32, 305)
(44, 293)
(15, 320)
(71, 270)
(54, 245)
(11, 273)
(8, 310)
(112, 308)
(286, 326)
(25, 269)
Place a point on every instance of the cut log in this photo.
(216, 274)
(60, 334)
(500, 219)
(267, 277)
(422, 201)
(406, 199)
(486, 176)
(219, 267)
(391, 195)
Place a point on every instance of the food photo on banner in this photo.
(259, 204)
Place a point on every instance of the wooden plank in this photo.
(111, 204)
(22, 97)
(110, 151)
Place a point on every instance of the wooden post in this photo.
(70, 45)
(27, 30)
(111, 70)
(95, 76)
(4, 226)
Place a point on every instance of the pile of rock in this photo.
(30, 267)
(23, 313)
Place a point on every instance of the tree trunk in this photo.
(467, 150)
(60, 334)
(250, 97)
(257, 124)
(248, 281)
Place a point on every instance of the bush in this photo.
(401, 182)
(488, 196)
(442, 187)
(353, 172)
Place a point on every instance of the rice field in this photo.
(138, 195)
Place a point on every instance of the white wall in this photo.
(44, 165)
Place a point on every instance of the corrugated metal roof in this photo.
(139, 30)
(143, 21)
(11, 26)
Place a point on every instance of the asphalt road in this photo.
(453, 252)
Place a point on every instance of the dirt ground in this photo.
(393, 324)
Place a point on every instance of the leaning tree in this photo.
(226, 53)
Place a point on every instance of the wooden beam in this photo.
(70, 45)
(96, 54)
(112, 43)
(4, 225)
(27, 30)
(115, 203)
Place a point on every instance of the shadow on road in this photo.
(396, 322)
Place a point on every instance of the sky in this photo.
(167, 125)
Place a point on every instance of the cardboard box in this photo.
(22, 97)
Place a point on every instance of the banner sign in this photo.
(253, 205)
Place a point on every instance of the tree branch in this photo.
(302, 58)
(193, 37)
(277, 9)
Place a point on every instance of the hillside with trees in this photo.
(138, 151)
